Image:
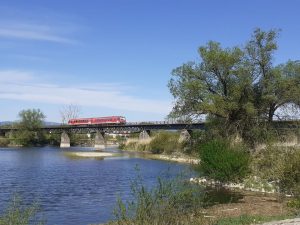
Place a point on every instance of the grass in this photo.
(249, 219)
(17, 213)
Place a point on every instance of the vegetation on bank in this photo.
(18, 213)
(240, 91)
(29, 133)
(160, 142)
(168, 202)
(175, 201)
(222, 162)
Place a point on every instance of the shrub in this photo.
(294, 203)
(4, 142)
(164, 142)
(280, 164)
(289, 181)
(16, 214)
(268, 163)
(221, 162)
(169, 202)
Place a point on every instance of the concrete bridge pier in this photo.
(99, 141)
(185, 136)
(64, 140)
(144, 135)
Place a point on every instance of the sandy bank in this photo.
(179, 159)
(92, 154)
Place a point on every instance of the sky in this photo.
(115, 57)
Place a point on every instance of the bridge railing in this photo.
(160, 122)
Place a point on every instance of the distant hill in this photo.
(46, 123)
(2, 123)
(51, 123)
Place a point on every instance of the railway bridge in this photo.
(143, 128)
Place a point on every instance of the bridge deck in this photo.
(130, 127)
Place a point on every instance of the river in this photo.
(73, 191)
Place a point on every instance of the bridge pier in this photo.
(99, 141)
(185, 136)
(64, 140)
(144, 135)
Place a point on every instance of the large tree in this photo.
(237, 85)
(29, 132)
(275, 86)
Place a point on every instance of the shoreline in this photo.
(172, 158)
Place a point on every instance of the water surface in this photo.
(73, 191)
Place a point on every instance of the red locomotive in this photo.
(98, 120)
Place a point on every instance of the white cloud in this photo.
(17, 85)
(33, 31)
(15, 76)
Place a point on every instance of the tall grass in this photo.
(17, 213)
(169, 202)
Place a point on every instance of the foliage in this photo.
(237, 88)
(295, 203)
(135, 145)
(164, 142)
(168, 202)
(17, 214)
(222, 162)
(197, 138)
(53, 139)
(280, 165)
(29, 133)
(290, 178)
(4, 142)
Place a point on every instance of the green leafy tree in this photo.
(275, 86)
(236, 86)
(29, 132)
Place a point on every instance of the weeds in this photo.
(169, 202)
(18, 214)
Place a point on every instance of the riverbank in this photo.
(97, 155)
(175, 158)
(246, 208)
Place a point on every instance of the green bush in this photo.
(268, 163)
(289, 181)
(295, 203)
(164, 142)
(16, 214)
(169, 202)
(4, 142)
(134, 146)
(221, 162)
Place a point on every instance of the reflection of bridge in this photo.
(144, 128)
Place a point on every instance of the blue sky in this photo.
(115, 57)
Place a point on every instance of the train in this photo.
(98, 120)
